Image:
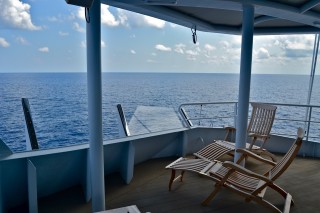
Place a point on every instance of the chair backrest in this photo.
(287, 159)
(262, 118)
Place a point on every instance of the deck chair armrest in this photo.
(248, 153)
(245, 171)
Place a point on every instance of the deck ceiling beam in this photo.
(309, 5)
(173, 16)
(165, 9)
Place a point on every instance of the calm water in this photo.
(59, 101)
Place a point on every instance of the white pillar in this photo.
(245, 77)
(95, 106)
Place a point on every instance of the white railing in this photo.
(288, 117)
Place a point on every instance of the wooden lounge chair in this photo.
(244, 182)
(259, 128)
(204, 157)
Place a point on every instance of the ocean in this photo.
(58, 101)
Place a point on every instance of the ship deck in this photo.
(149, 191)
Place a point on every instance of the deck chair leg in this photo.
(252, 143)
(267, 204)
(181, 175)
(282, 192)
(212, 195)
(173, 177)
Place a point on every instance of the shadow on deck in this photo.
(149, 191)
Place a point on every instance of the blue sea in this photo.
(58, 101)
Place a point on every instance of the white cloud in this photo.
(154, 22)
(61, 18)
(236, 41)
(288, 40)
(53, 19)
(180, 48)
(83, 44)
(294, 42)
(224, 44)
(22, 40)
(107, 18)
(130, 19)
(230, 49)
(263, 53)
(43, 49)
(192, 52)
(133, 52)
(16, 14)
(77, 27)
(173, 25)
(287, 47)
(120, 17)
(162, 48)
(81, 13)
(103, 44)
(63, 33)
(209, 47)
(4, 43)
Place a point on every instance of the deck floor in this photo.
(149, 191)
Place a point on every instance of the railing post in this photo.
(185, 117)
(235, 114)
(31, 138)
(309, 122)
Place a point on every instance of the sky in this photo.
(49, 36)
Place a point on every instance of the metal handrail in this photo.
(307, 121)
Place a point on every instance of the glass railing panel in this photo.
(151, 119)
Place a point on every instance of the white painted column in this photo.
(245, 77)
(95, 106)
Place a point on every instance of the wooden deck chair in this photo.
(250, 184)
(204, 158)
(259, 128)
(244, 182)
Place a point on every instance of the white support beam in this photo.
(95, 106)
(245, 78)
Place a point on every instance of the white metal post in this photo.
(312, 73)
(245, 77)
(95, 106)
